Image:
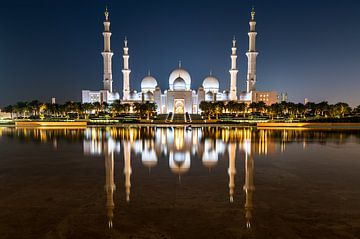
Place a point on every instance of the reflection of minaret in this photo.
(127, 169)
(232, 170)
(249, 187)
(109, 186)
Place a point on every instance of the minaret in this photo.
(233, 72)
(249, 187)
(126, 72)
(110, 185)
(107, 54)
(251, 55)
(232, 170)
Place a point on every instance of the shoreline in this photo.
(53, 125)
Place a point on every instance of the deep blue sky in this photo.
(308, 48)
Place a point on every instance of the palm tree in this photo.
(205, 107)
(261, 106)
(321, 108)
(35, 107)
(86, 108)
(218, 108)
(9, 109)
(116, 107)
(97, 107)
(22, 108)
(231, 106)
(357, 110)
(149, 109)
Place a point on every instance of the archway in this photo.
(179, 106)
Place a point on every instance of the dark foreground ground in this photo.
(300, 193)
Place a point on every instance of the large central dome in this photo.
(179, 73)
(148, 83)
(211, 83)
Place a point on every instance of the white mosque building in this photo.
(180, 97)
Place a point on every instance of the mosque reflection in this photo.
(179, 148)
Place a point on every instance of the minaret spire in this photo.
(126, 72)
(233, 72)
(252, 55)
(106, 14)
(253, 13)
(107, 54)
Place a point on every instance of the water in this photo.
(179, 183)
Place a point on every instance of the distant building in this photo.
(180, 97)
(283, 97)
(53, 100)
(306, 100)
(4, 115)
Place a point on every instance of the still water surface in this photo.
(178, 183)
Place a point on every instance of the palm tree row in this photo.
(37, 109)
(279, 110)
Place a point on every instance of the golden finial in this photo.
(234, 41)
(126, 42)
(253, 13)
(106, 14)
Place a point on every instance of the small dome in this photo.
(226, 95)
(211, 83)
(148, 96)
(179, 84)
(209, 96)
(133, 94)
(148, 83)
(179, 73)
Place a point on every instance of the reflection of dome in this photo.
(179, 84)
(211, 83)
(180, 73)
(179, 162)
(148, 83)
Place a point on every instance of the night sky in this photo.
(308, 48)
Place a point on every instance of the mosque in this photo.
(180, 98)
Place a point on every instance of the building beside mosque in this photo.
(180, 97)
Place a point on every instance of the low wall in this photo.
(311, 125)
(49, 124)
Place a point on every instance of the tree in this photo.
(357, 110)
(22, 108)
(97, 107)
(218, 108)
(147, 108)
(86, 108)
(321, 108)
(205, 107)
(339, 109)
(116, 108)
(9, 109)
